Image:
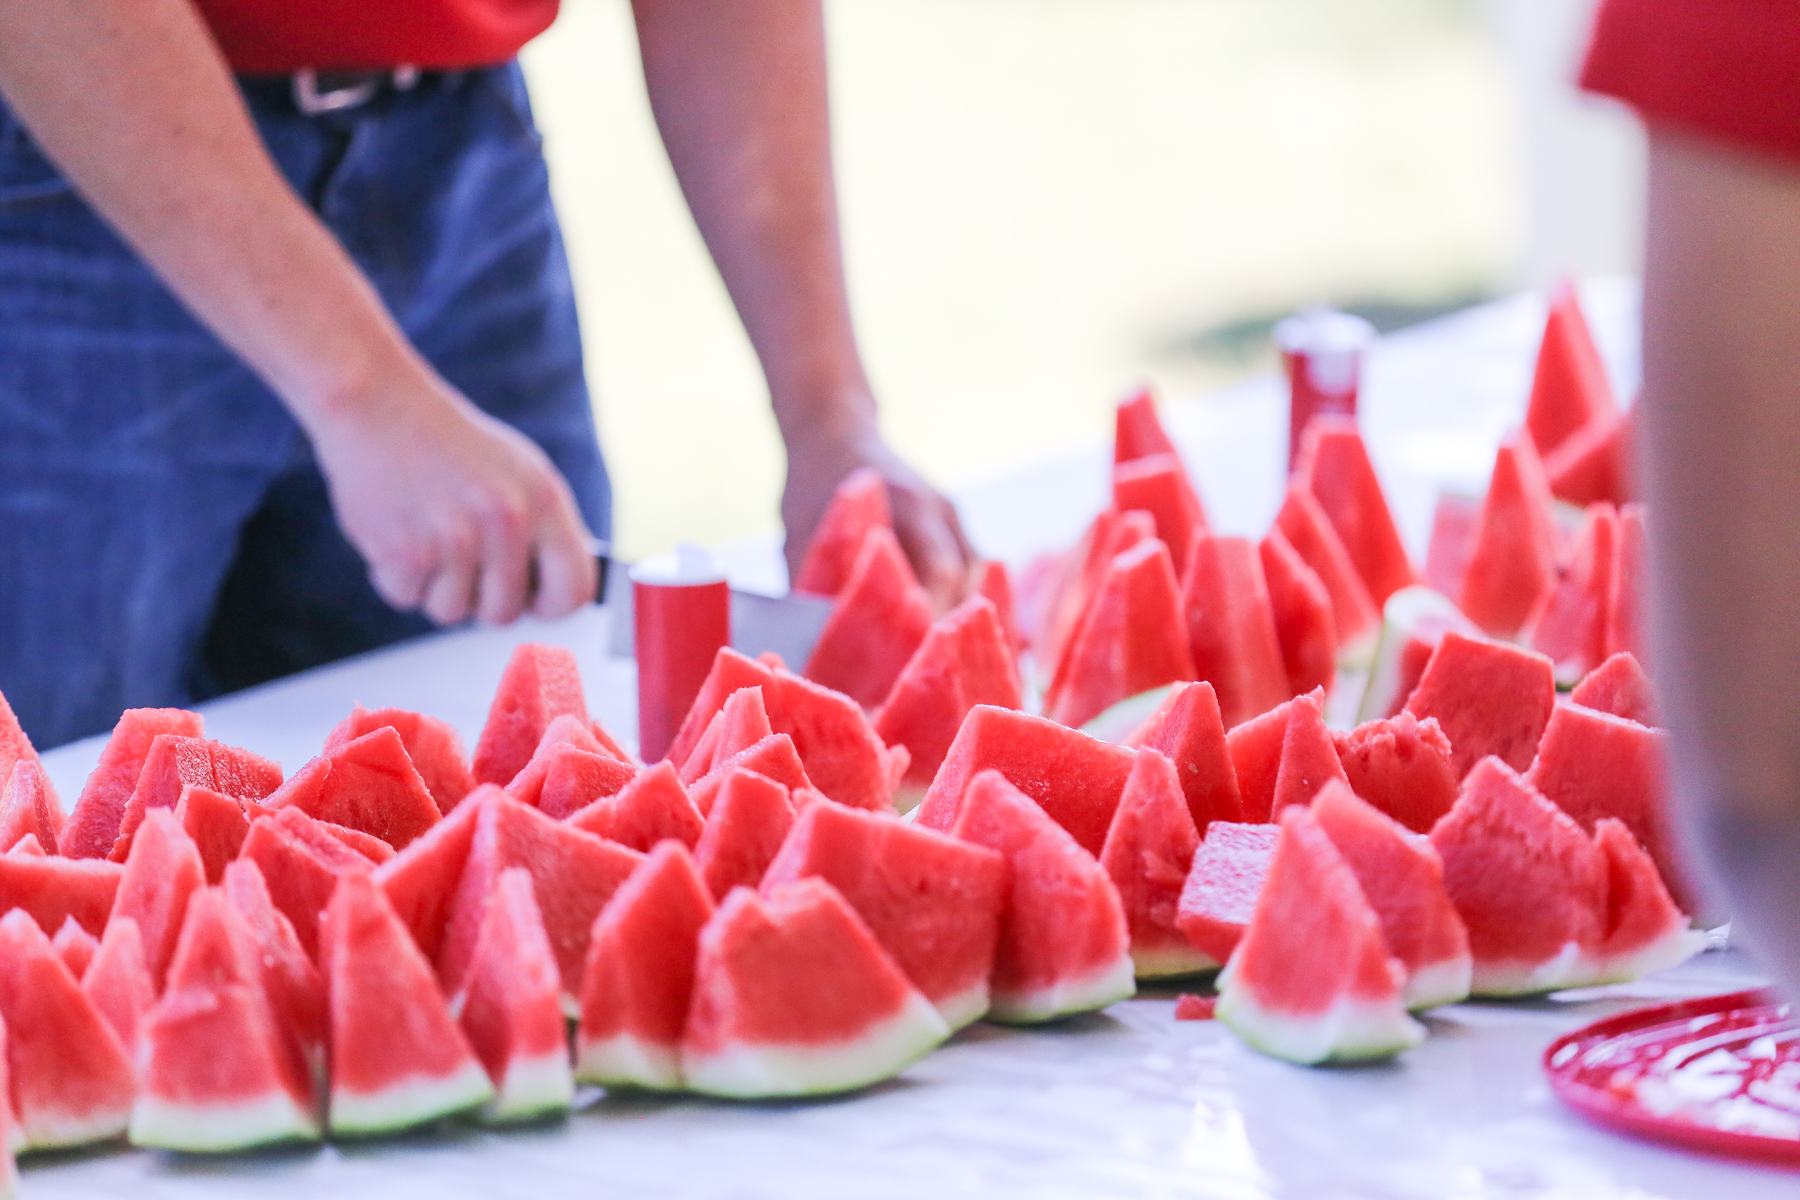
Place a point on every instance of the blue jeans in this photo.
(165, 535)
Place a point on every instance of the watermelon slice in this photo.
(1303, 622)
(994, 581)
(571, 730)
(434, 748)
(1620, 687)
(93, 826)
(1147, 855)
(15, 747)
(1137, 432)
(367, 845)
(117, 982)
(639, 979)
(163, 871)
(1512, 560)
(217, 825)
(388, 1074)
(1187, 729)
(1403, 766)
(1488, 698)
(858, 507)
(28, 807)
(963, 661)
(1452, 538)
(793, 996)
(301, 864)
(1643, 930)
(1231, 627)
(1569, 388)
(1075, 778)
(774, 757)
(1220, 892)
(1064, 947)
(739, 725)
(420, 882)
(933, 902)
(1112, 534)
(370, 785)
(1569, 623)
(652, 807)
(1334, 466)
(1413, 622)
(75, 946)
(1134, 638)
(11, 1138)
(1255, 748)
(1312, 980)
(879, 619)
(1157, 484)
(1625, 629)
(731, 673)
(510, 1010)
(564, 778)
(743, 831)
(1353, 611)
(540, 683)
(174, 762)
(1402, 878)
(70, 1079)
(1594, 463)
(286, 975)
(1309, 757)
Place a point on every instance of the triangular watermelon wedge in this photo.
(1488, 698)
(217, 825)
(743, 832)
(1620, 687)
(1158, 484)
(1625, 629)
(164, 870)
(93, 826)
(1186, 727)
(1304, 626)
(433, 746)
(75, 946)
(994, 581)
(369, 785)
(1569, 388)
(1354, 612)
(301, 865)
(562, 778)
(287, 976)
(639, 979)
(1643, 930)
(1403, 767)
(1569, 623)
(1112, 533)
(1452, 539)
(1512, 560)
(510, 1011)
(1137, 433)
(1231, 627)
(731, 672)
(420, 882)
(1134, 638)
(28, 807)
(858, 506)
(1147, 855)
(1334, 466)
(1219, 895)
(774, 757)
(117, 982)
(174, 762)
(540, 683)
(1255, 749)
(651, 808)
(1413, 622)
(879, 619)
(1594, 464)
(1309, 757)
(15, 747)
(739, 725)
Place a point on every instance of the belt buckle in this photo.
(313, 102)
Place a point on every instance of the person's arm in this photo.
(454, 512)
(1721, 444)
(738, 89)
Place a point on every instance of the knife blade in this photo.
(786, 625)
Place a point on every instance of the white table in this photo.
(1129, 1103)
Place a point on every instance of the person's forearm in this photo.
(1721, 444)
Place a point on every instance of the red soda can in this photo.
(1322, 351)
(681, 608)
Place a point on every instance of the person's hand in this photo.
(456, 513)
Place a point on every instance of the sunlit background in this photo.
(1047, 200)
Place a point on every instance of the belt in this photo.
(317, 92)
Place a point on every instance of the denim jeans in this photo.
(164, 533)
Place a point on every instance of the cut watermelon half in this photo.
(1309, 757)
(878, 620)
(510, 1010)
(117, 982)
(164, 870)
(639, 979)
(286, 975)
(1333, 464)
(1620, 687)
(388, 1074)
(1157, 484)
(174, 762)
(420, 882)
(794, 996)
(217, 825)
(1231, 627)
(1569, 387)
(743, 831)
(1134, 638)
(1064, 947)
(1304, 625)
(1147, 855)
(434, 748)
(1413, 622)
(301, 865)
(93, 826)
(28, 807)
(563, 779)
(540, 683)
(1187, 728)
(858, 507)
(54, 889)
(75, 946)
(1403, 767)
(1569, 624)
(369, 785)
(651, 808)
(1452, 538)
(1488, 698)
(1512, 560)
(1312, 980)
(1219, 895)
(933, 902)
(1353, 611)
(1136, 431)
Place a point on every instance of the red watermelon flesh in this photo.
(994, 581)
(878, 620)
(370, 785)
(1353, 611)
(1527, 882)
(731, 672)
(563, 778)
(1222, 885)
(367, 845)
(1488, 698)
(1334, 466)
(773, 757)
(1569, 388)
(164, 870)
(743, 832)
(1064, 946)
(174, 762)
(794, 996)
(75, 946)
(1231, 627)
(1403, 880)
(1643, 930)
(1147, 855)
(1312, 979)
(1594, 463)
(1403, 767)
(1452, 539)
(1255, 748)
(739, 725)
(388, 1074)
(697, 764)
(1187, 729)
(1569, 624)
(844, 758)
(573, 873)
(10, 1135)
(571, 730)
(1512, 560)
(15, 747)
(1304, 626)
(1074, 778)
(217, 825)
(1158, 485)
(1134, 638)
(1625, 622)
(433, 746)
(93, 826)
(963, 661)
(1620, 687)
(28, 807)
(71, 1081)
(301, 865)
(510, 1010)
(1136, 431)
(1309, 758)
(858, 507)
(117, 982)
(1413, 623)
(639, 979)
(933, 902)
(540, 683)
(420, 882)
(286, 975)
(651, 808)
(1113, 533)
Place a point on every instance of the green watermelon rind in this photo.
(44, 1130)
(1115, 981)
(1577, 967)
(1350, 1030)
(1124, 718)
(623, 1060)
(1171, 962)
(746, 1071)
(409, 1103)
(1436, 984)
(965, 1007)
(532, 1089)
(269, 1120)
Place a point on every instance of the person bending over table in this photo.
(289, 365)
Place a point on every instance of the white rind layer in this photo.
(1571, 968)
(532, 1088)
(1349, 1031)
(1170, 962)
(1674, 947)
(50, 1131)
(746, 1072)
(414, 1102)
(908, 797)
(965, 1008)
(626, 1061)
(215, 1128)
(1116, 981)
(1443, 982)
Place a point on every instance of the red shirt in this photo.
(1726, 68)
(275, 37)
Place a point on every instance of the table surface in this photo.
(1128, 1103)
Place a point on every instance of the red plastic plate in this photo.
(1719, 1074)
